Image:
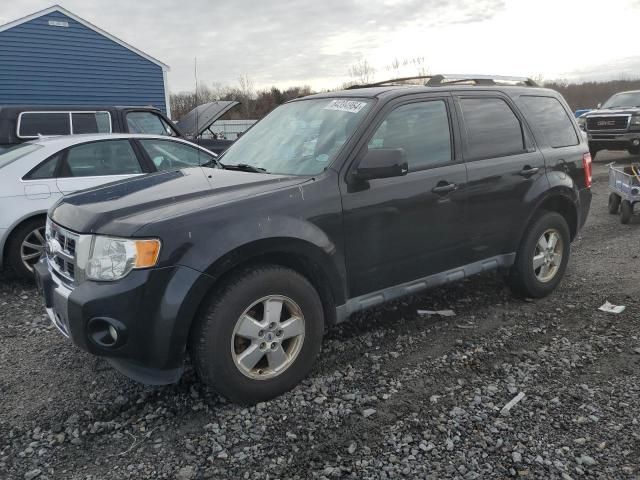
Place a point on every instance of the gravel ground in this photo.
(394, 395)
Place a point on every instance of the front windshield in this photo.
(627, 99)
(298, 138)
(16, 152)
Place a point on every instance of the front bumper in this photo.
(152, 311)
(614, 141)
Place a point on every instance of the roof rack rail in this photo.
(391, 81)
(452, 79)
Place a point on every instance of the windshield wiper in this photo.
(243, 167)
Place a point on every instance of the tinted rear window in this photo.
(91, 122)
(493, 130)
(33, 124)
(552, 119)
(12, 154)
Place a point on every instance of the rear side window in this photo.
(492, 129)
(46, 169)
(33, 124)
(149, 122)
(111, 157)
(552, 119)
(91, 122)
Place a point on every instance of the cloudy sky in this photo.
(283, 43)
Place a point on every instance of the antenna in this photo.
(195, 74)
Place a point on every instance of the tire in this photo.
(217, 345)
(626, 212)
(532, 282)
(633, 150)
(614, 203)
(25, 233)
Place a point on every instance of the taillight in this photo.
(586, 165)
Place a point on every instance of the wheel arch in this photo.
(5, 240)
(299, 255)
(559, 201)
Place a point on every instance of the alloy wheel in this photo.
(32, 248)
(547, 256)
(268, 337)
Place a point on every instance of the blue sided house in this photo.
(54, 57)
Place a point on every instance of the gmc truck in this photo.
(615, 125)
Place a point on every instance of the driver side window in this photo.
(168, 155)
(421, 129)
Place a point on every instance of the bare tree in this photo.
(362, 72)
(247, 91)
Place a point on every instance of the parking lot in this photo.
(394, 394)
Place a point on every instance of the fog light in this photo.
(636, 142)
(106, 332)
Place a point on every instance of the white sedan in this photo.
(34, 175)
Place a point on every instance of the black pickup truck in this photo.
(21, 123)
(331, 204)
(614, 125)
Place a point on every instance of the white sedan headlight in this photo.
(113, 258)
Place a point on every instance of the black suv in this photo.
(615, 125)
(331, 204)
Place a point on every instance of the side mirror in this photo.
(599, 105)
(382, 163)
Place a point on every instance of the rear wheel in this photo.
(26, 247)
(626, 212)
(542, 257)
(259, 335)
(614, 203)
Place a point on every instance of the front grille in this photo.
(612, 122)
(61, 252)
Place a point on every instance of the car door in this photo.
(503, 165)
(94, 163)
(173, 154)
(404, 228)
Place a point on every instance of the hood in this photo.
(122, 208)
(613, 111)
(200, 118)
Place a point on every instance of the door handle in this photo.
(444, 187)
(527, 171)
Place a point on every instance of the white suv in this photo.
(34, 175)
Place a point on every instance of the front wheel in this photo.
(259, 335)
(542, 257)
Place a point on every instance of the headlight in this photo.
(582, 122)
(113, 258)
(635, 120)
